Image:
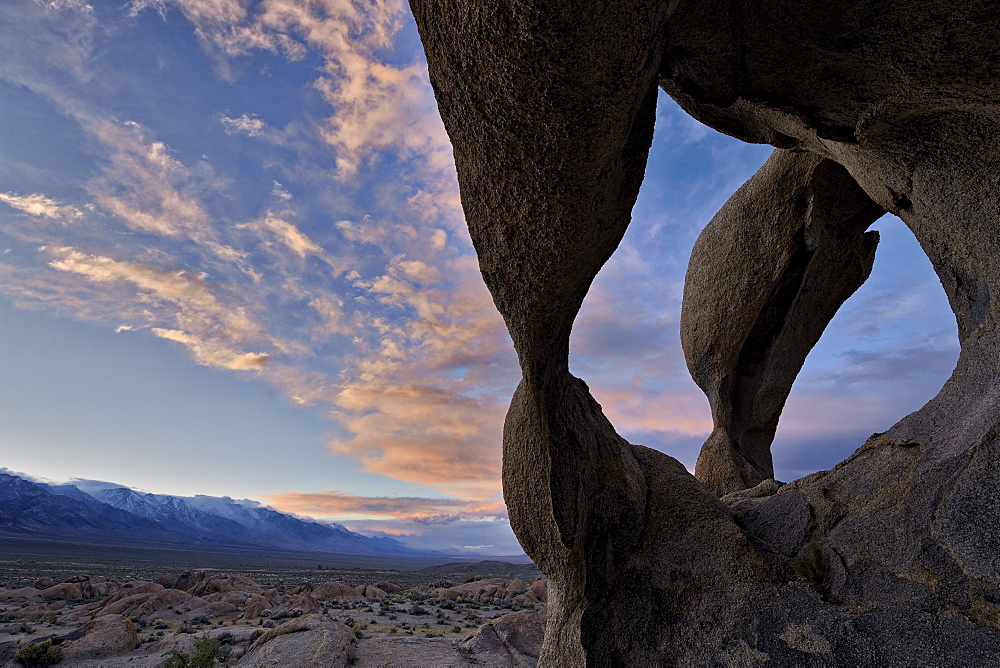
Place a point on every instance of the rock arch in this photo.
(872, 106)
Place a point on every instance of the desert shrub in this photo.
(448, 605)
(814, 568)
(175, 659)
(39, 654)
(467, 654)
(417, 609)
(207, 653)
(256, 634)
(456, 629)
(352, 656)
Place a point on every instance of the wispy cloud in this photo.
(41, 206)
(150, 190)
(379, 106)
(335, 503)
(251, 126)
(286, 234)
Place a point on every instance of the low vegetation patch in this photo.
(814, 568)
(39, 654)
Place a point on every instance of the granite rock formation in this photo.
(894, 555)
(766, 276)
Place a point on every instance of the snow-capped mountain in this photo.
(115, 510)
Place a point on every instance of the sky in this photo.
(233, 262)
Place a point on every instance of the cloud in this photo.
(335, 503)
(211, 330)
(58, 5)
(251, 126)
(421, 522)
(150, 190)
(280, 192)
(41, 206)
(285, 233)
(225, 27)
(210, 353)
(378, 106)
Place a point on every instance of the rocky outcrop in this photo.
(312, 640)
(371, 591)
(491, 589)
(891, 557)
(105, 636)
(64, 591)
(389, 587)
(188, 580)
(510, 640)
(153, 604)
(774, 270)
(224, 584)
(336, 591)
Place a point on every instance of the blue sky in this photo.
(233, 262)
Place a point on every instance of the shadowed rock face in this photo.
(892, 556)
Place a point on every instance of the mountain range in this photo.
(91, 509)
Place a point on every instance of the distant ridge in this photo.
(114, 511)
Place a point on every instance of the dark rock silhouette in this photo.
(892, 557)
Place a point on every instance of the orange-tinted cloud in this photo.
(415, 509)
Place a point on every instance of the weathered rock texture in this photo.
(513, 639)
(894, 555)
(766, 276)
(314, 640)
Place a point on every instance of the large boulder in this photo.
(102, 637)
(371, 591)
(510, 640)
(389, 586)
(336, 591)
(149, 605)
(20, 595)
(492, 589)
(312, 640)
(223, 584)
(64, 591)
(188, 580)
